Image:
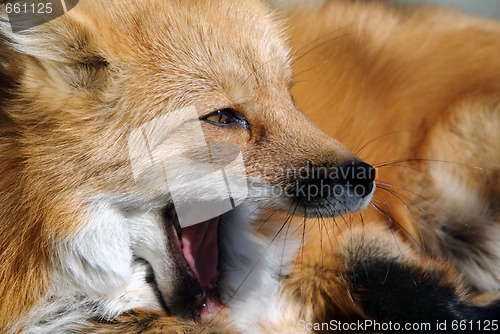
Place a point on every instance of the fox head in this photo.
(110, 81)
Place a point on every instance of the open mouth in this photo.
(196, 254)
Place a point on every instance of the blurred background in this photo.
(486, 8)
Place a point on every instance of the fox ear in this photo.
(61, 52)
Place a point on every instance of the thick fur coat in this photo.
(415, 93)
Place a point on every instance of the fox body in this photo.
(91, 235)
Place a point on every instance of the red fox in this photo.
(170, 167)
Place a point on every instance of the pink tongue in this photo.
(199, 244)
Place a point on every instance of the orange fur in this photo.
(417, 93)
(415, 89)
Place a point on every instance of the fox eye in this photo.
(225, 117)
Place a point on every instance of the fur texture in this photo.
(415, 93)
(84, 249)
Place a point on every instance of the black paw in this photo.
(401, 295)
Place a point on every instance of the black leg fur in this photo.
(393, 289)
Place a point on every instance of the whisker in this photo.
(415, 169)
(383, 185)
(333, 216)
(254, 266)
(268, 218)
(336, 213)
(323, 43)
(290, 58)
(320, 230)
(377, 138)
(392, 162)
(302, 245)
(300, 227)
(283, 248)
(379, 212)
(318, 39)
(398, 196)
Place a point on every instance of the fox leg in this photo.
(368, 272)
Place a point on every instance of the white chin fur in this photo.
(98, 271)
(250, 275)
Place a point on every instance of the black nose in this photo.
(358, 176)
(321, 182)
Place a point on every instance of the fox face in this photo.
(108, 117)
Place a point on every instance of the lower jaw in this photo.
(204, 302)
(213, 307)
